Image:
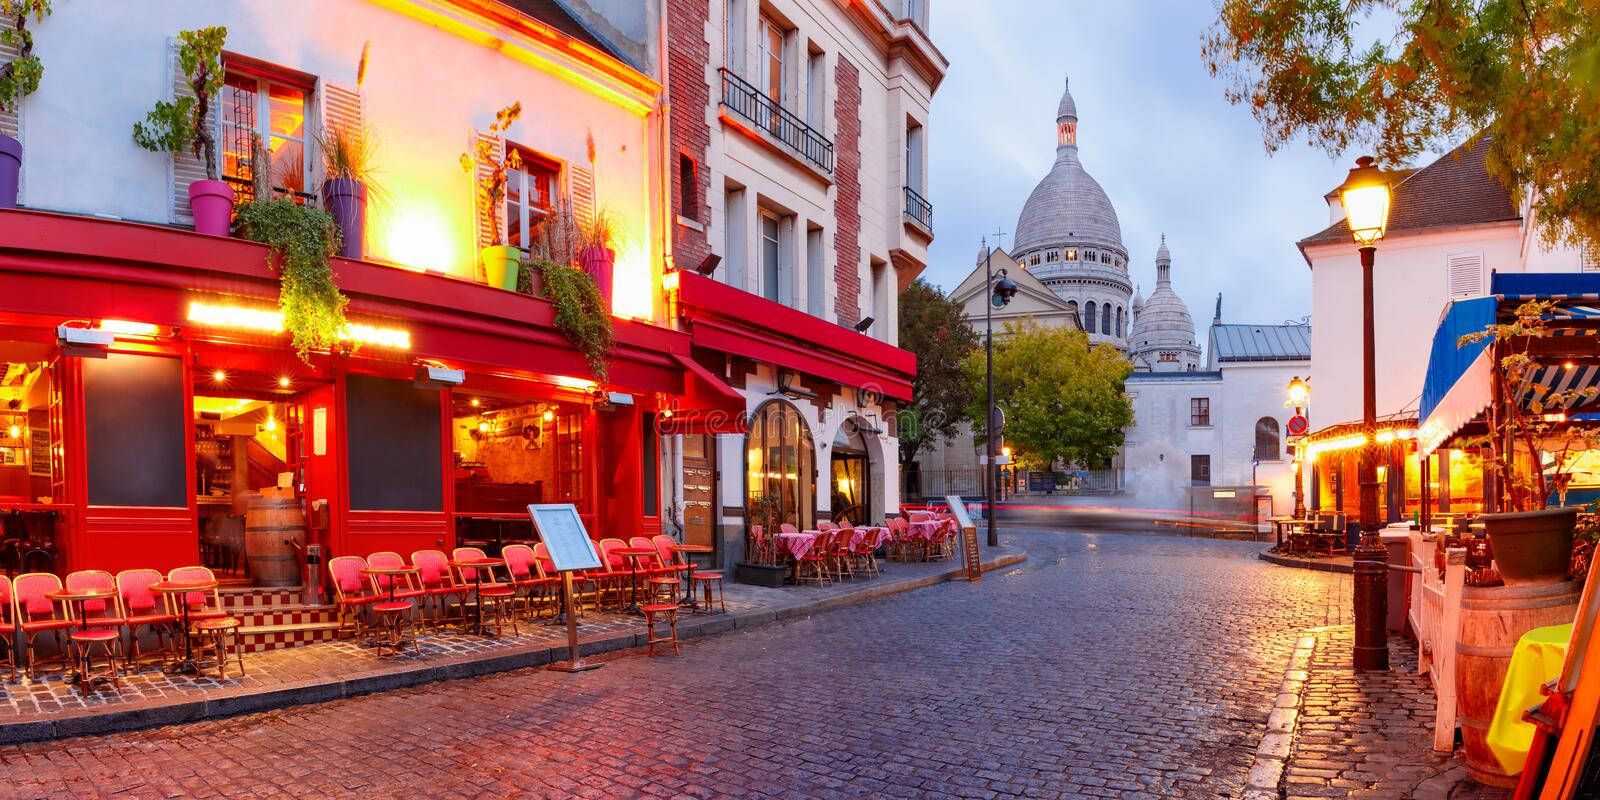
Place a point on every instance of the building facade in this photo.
(798, 142)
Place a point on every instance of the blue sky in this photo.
(1154, 129)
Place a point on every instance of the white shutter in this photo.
(341, 110)
(581, 189)
(485, 218)
(1588, 260)
(185, 167)
(1464, 274)
(11, 118)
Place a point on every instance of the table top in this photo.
(476, 562)
(696, 548)
(182, 586)
(80, 594)
(389, 570)
(635, 551)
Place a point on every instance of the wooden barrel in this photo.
(1492, 620)
(270, 524)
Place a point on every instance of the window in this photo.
(530, 197)
(733, 239)
(1267, 448)
(1166, 355)
(772, 42)
(1119, 322)
(1050, 256)
(816, 88)
(1034, 261)
(1105, 319)
(1089, 316)
(770, 253)
(652, 467)
(914, 157)
(276, 111)
(780, 459)
(1199, 411)
(1200, 470)
(688, 188)
(733, 38)
(1464, 274)
(1072, 308)
(1072, 255)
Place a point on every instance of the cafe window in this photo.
(135, 431)
(652, 467)
(530, 197)
(510, 452)
(1199, 412)
(274, 109)
(781, 460)
(392, 433)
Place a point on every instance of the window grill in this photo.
(749, 102)
(919, 209)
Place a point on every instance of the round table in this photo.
(80, 597)
(688, 582)
(633, 554)
(170, 588)
(395, 630)
(477, 565)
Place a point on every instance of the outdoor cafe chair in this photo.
(142, 609)
(527, 578)
(439, 583)
(651, 565)
(784, 527)
(839, 552)
(37, 613)
(490, 590)
(203, 604)
(349, 585)
(815, 561)
(668, 557)
(398, 599)
(406, 587)
(580, 580)
(616, 571)
(8, 625)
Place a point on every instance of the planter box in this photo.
(761, 574)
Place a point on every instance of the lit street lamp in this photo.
(1000, 295)
(1299, 393)
(1365, 197)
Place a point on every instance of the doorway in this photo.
(699, 474)
(850, 476)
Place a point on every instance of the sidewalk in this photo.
(49, 708)
(1323, 563)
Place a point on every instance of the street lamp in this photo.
(1000, 295)
(1299, 393)
(1365, 197)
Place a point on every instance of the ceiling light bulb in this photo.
(284, 381)
(219, 376)
(549, 416)
(483, 426)
(476, 402)
(15, 432)
(272, 424)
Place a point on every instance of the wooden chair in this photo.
(351, 595)
(496, 593)
(439, 585)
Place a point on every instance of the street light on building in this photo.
(1299, 396)
(1366, 198)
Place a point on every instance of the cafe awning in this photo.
(709, 404)
(1459, 383)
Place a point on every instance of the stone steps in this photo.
(273, 618)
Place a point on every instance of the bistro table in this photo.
(1290, 524)
(390, 575)
(688, 580)
(84, 678)
(478, 565)
(181, 588)
(633, 554)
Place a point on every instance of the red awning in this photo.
(709, 404)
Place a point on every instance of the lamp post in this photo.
(1299, 393)
(1000, 295)
(1365, 197)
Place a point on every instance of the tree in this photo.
(935, 328)
(1525, 73)
(1062, 396)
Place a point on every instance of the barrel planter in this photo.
(1492, 620)
(270, 525)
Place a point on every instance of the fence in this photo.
(968, 481)
(1436, 618)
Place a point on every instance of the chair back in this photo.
(663, 544)
(652, 561)
(29, 596)
(433, 568)
(485, 574)
(608, 555)
(825, 525)
(784, 527)
(5, 601)
(99, 580)
(133, 587)
(346, 573)
(541, 556)
(389, 560)
(197, 600)
(519, 561)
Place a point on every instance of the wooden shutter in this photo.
(484, 217)
(186, 168)
(1464, 274)
(11, 118)
(581, 189)
(341, 109)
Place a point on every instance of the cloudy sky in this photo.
(1154, 130)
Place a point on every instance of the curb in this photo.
(1272, 754)
(1305, 563)
(134, 716)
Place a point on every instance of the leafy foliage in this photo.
(599, 231)
(1521, 72)
(492, 185)
(181, 125)
(581, 313)
(764, 509)
(302, 241)
(935, 328)
(21, 77)
(1062, 397)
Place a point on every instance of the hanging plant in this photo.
(302, 241)
(20, 77)
(581, 314)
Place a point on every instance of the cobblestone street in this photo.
(1106, 666)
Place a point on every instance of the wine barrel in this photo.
(1493, 618)
(270, 523)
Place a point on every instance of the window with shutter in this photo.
(275, 109)
(1464, 274)
(581, 180)
(488, 217)
(1588, 259)
(186, 168)
(341, 110)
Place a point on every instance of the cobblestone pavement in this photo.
(1107, 666)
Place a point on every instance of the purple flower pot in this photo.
(346, 200)
(10, 170)
(211, 202)
(600, 263)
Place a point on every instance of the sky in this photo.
(1154, 129)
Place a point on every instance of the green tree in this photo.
(935, 328)
(1061, 395)
(1525, 73)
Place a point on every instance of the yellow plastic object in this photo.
(1536, 661)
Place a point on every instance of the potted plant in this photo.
(302, 242)
(18, 79)
(347, 152)
(763, 564)
(581, 315)
(597, 254)
(182, 125)
(500, 261)
(1531, 542)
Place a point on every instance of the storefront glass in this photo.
(508, 453)
(780, 460)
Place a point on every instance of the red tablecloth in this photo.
(925, 531)
(798, 544)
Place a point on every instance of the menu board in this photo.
(39, 452)
(561, 530)
(969, 537)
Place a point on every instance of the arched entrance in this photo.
(780, 459)
(855, 472)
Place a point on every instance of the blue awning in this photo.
(1456, 386)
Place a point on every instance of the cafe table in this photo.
(181, 588)
(633, 554)
(390, 576)
(477, 565)
(688, 575)
(79, 597)
(1536, 660)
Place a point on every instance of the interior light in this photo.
(476, 402)
(549, 415)
(219, 376)
(483, 427)
(284, 382)
(666, 413)
(123, 327)
(16, 432)
(272, 424)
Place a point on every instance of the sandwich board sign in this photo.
(571, 550)
(969, 537)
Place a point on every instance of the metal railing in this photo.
(918, 209)
(749, 102)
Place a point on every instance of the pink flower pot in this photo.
(600, 263)
(211, 202)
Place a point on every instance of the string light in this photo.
(1340, 443)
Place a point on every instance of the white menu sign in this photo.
(561, 530)
(958, 507)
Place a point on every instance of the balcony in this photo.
(772, 119)
(918, 209)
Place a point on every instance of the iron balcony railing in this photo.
(918, 209)
(747, 101)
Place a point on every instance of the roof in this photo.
(1235, 342)
(1067, 207)
(551, 12)
(1173, 377)
(1453, 191)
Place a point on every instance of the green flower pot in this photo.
(500, 266)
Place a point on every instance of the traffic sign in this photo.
(1298, 425)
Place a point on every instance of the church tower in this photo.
(1163, 332)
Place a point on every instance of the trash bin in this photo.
(1397, 540)
(311, 583)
